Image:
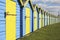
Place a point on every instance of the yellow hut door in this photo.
(27, 20)
(35, 20)
(41, 20)
(10, 20)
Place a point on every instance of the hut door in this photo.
(35, 20)
(27, 20)
(10, 20)
(45, 20)
(2, 20)
(39, 20)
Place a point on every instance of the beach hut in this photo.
(49, 18)
(46, 19)
(44, 14)
(25, 19)
(39, 17)
(35, 17)
(42, 18)
(52, 20)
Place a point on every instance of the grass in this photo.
(51, 32)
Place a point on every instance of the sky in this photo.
(51, 6)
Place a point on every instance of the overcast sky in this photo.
(52, 6)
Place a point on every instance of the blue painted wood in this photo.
(21, 21)
(31, 27)
(38, 21)
(17, 20)
(32, 21)
(2, 20)
(2, 36)
(37, 18)
(24, 21)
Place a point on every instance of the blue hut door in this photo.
(2, 20)
(39, 20)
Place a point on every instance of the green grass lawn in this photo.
(51, 32)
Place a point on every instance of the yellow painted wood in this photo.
(10, 7)
(41, 20)
(35, 20)
(27, 20)
(10, 20)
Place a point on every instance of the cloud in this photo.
(57, 7)
(55, 1)
(51, 1)
(42, 5)
(52, 6)
(53, 10)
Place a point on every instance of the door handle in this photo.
(25, 17)
(4, 14)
